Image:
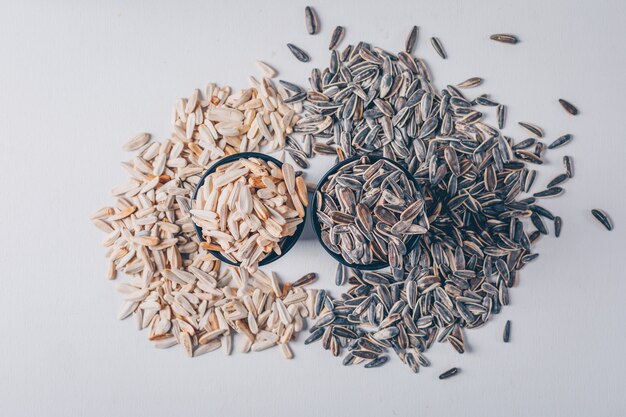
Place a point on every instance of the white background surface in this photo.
(78, 78)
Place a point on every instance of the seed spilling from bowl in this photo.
(247, 207)
(368, 212)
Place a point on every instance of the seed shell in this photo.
(501, 116)
(336, 37)
(471, 82)
(549, 192)
(436, 43)
(558, 224)
(563, 140)
(534, 129)
(603, 218)
(558, 180)
(298, 53)
(506, 334)
(449, 373)
(379, 361)
(568, 163)
(311, 20)
(411, 39)
(569, 107)
(504, 38)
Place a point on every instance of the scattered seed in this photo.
(539, 148)
(471, 82)
(506, 335)
(501, 116)
(569, 107)
(311, 20)
(136, 142)
(568, 163)
(307, 279)
(336, 37)
(411, 39)
(449, 373)
(558, 224)
(379, 361)
(550, 192)
(603, 218)
(438, 47)
(530, 180)
(558, 180)
(525, 144)
(539, 224)
(534, 129)
(298, 53)
(340, 276)
(542, 211)
(266, 69)
(504, 38)
(563, 140)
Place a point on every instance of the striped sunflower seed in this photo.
(569, 107)
(336, 37)
(603, 218)
(311, 20)
(298, 53)
(436, 43)
(504, 38)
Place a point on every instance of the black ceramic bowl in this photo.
(287, 242)
(410, 244)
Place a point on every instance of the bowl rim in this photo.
(411, 242)
(288, 242)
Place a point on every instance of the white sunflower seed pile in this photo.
(175, 288)
(246, 207)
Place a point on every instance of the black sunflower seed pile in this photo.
(372, 102)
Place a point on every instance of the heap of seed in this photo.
(247, 207)
(369, 101)
(368, 211)
(176, 289)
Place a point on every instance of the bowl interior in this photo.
(410, 243)
(287, 242)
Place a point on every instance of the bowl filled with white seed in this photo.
(249, 209)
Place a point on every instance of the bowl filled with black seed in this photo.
(368, 212)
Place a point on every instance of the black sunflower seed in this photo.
(336, 37)
(534, 129)
(436, 43)
(379, 361)
(311, 20)
(504, 38)
(298, 53)
(569, 107)
(568, 163)
(563, 140)
(603, 218)
(449, 373)
(506, 334)
(411, 39)
(550, 192)
(559, 179)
